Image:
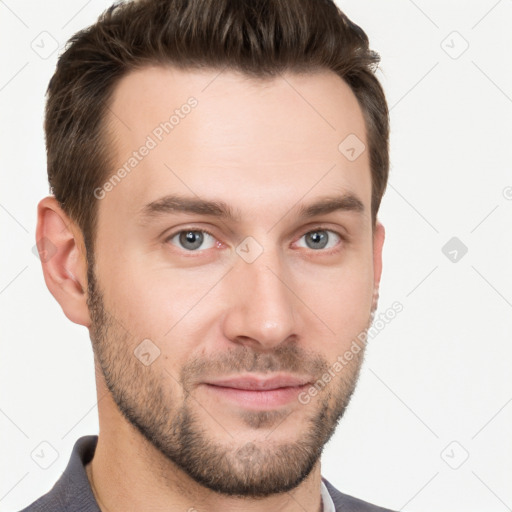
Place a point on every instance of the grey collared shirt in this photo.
(73, 493)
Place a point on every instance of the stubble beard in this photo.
(246, 469)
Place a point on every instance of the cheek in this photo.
(346, 304)
(342, 299)
(132, 297)
(165, 305)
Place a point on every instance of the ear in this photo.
(63, 258)
(378, 242)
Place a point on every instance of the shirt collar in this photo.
(328, 504)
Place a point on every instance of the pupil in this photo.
(318, 237)
(193, 238)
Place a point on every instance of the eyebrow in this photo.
(173, 204)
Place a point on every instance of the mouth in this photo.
(258, 392)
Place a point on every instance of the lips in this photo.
(257, 392)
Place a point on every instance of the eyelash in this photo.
(343, 238)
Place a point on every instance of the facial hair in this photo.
(171, 424)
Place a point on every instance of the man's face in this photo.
(238, 316)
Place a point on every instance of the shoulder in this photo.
(49, 502)
(72, 492)
(344, 502)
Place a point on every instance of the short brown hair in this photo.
(261, 38)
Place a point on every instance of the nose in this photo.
(262, 312)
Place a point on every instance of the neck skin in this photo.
(128, 474)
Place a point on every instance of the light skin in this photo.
(266, 149)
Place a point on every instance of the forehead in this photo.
(222, 135)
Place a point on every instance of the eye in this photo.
(192, 239)
(321, 239)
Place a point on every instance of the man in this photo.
(216, 170)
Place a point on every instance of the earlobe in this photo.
(63, 259)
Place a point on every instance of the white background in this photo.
(438, 373)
